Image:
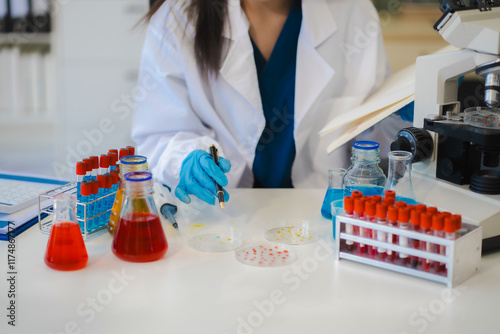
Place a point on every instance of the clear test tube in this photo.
(381, 213)
(103, 164)
(392, 220)
(349, 211)
(88, 174)
(425, 228)
(403, 224)
(359, 213)
(450, 232)
(94, 207)
(458, 223)
(81, 170)
(438, 231)
(95, 166)
(101, 202)
(109, 200)
(83, 210)
(113, 159)
(370, 214)
(415, 227)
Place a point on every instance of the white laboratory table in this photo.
(189, 291)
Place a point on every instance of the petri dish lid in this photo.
(482, 117)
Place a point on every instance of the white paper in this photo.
(21, 217)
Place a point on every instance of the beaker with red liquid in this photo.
(65, 248)
(139, 236)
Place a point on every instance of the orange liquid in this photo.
(139, 238)
(115, 211)
(66, 249)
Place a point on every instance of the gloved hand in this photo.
(198, 174)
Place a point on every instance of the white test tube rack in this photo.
(46, 215)
(462, 256)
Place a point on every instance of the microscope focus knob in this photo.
(417, 141)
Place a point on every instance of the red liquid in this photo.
(65, 249)
(139, 238)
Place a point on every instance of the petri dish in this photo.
(215, 240)
(482, 117)
(263, 255)
(297, 234)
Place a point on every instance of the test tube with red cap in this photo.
(104, 164)
(83, 211)
(450, 230)
(370, 212)
(94, 206)
(123, 153)
(392, 220)
(359, 213)
(81, 170)
(102, 192)
(108, 200)
(458, 223)
(116, 179)
(131, 150)
(349, 211)
(415, 227)
(88, 166)
(113, 160)
(403, 224)
(425, 228)
(438, 231)
(95, 166)
(381, 212)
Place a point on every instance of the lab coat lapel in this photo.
(313, 72)
(238, 68)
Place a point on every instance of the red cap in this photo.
(381, 209)
(437, 222)
(88, 163)
(81, 168)
(449, 224)
(415, 217)
(104, 161)
(95, 162)
(377, 198)
(426, 220)
(370, 208)
(95, 186)
(123, 153)
(356, 194)
(113, 151)
(446, 214)
(390, 194)
(404, 215)
(432, 209)
(116, 176)
(131, 150)
(109, 180)
(86, 188)
(349, 204)
(392, 214)
(102, 181)
(359, 205)
(401, 204)
(458, 221)
(113, 158)
(389, 201)
(421, 207)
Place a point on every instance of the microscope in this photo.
(457, 151)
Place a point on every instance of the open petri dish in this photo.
(266, 255)
(482, 117)
(296, 234)
(215, 239)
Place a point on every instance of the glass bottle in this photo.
(65, 248)
(399, 176)
(130, 163)
(334, 191)
(139, 236)
(364, 174)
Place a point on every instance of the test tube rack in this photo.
(46, 215)
(462, 256)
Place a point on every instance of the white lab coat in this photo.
(340, 61)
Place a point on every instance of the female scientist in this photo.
(258, 79)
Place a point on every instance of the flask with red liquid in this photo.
(139, 236)
(65, 248)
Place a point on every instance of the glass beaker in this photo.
(399, 176)
(365, 174)
(130, 163)
(334, 191)
(139, 236)
(65, 248)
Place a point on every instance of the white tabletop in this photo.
(189, 291)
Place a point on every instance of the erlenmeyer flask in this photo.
(399, 176)
(334, 191)
(139, 236)
(65, 248)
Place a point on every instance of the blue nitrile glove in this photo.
(198, 173)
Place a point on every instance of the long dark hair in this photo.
(210, 16)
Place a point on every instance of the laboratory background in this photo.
(69, 92)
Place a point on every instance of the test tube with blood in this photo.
(349, 211)
(381, 211)
(392, 220)
(425, 228)
(415, 227)
(403, 224)
(359, 213)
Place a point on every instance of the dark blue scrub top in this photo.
(275, 152)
